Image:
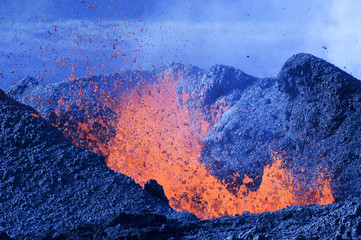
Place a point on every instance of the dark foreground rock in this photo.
(52, 189)
(335, 221)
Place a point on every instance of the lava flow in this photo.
(157, 140)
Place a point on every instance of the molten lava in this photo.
(156, 139)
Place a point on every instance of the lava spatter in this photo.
(157, 140)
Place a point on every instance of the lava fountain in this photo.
(156, 139)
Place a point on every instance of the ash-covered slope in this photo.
(51, 188)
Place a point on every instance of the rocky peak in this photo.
(305, 74)
(223, 79)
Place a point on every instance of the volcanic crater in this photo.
(181, 152)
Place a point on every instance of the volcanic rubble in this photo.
(53, 189)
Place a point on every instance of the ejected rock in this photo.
(155, 189)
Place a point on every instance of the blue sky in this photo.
(53, 40)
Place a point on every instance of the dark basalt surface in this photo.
(310, 113)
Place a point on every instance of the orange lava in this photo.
(155, 140)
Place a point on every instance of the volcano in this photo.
(180, 152)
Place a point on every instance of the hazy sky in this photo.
(57, 39)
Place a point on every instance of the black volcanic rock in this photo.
(51, 188)
(335, 221)
(309, 112)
